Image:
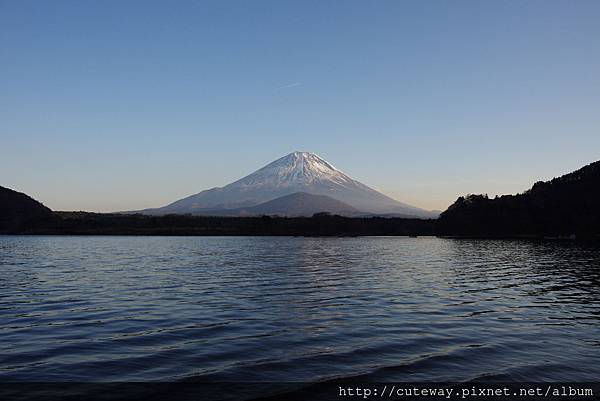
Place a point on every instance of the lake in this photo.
(297, 309)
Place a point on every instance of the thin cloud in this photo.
(289, 85)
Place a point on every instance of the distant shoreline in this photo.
(321, 225)
(586, 240)
(82, 223)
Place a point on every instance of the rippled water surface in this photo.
(297, 309)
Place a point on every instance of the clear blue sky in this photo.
(117, 105)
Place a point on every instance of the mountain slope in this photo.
(18, 209)
(563, 206)
(293, 205)
(296, 172)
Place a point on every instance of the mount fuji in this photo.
(296, 172)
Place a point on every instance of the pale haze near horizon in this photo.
(109, 106)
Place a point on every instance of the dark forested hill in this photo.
(561, 207)
(18, 210)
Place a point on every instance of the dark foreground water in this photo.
(297, 309)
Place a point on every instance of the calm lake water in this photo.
(297, 309)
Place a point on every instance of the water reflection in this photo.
(154, 308)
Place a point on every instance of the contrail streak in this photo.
(289, 85)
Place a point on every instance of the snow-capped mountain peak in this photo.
(296, 172)
(297, 168)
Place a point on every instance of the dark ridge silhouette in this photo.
(294, 205)
(18, 211)
(568, 206)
